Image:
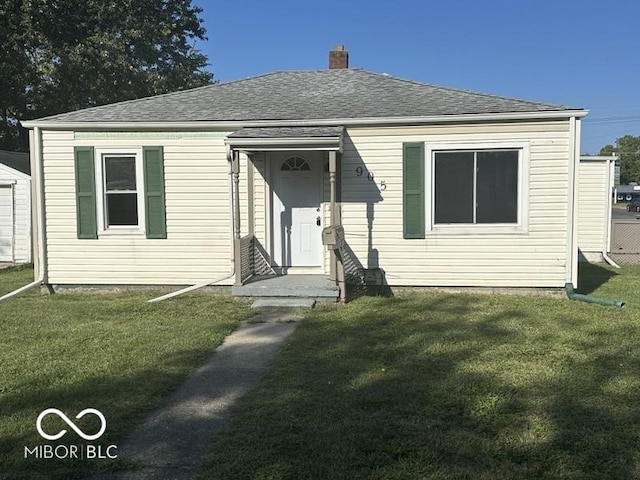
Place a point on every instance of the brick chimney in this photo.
(338, 58)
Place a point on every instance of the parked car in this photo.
(634, 205)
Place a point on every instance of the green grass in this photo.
(15, 277)
(440, 386)
(113, 352)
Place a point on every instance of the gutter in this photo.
(39, 203)
(589, 299)
(366, 121)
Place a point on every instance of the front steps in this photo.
(276, 304)
(288, 291)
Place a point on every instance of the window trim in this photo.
(520, 227)
(103, 230)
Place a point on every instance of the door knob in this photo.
(318, 221)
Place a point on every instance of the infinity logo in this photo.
(71, 424)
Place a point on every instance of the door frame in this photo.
(273, 161)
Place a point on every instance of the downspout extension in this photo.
(589, 299)
(20, 290)
(609, 260)
(206, 283)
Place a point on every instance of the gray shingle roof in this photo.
(306, 95)
(16, 160)
(287, 132)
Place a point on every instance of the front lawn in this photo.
(112, 352)
(440, 386)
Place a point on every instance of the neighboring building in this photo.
(596, 186)
(15, 207)
(243, 176)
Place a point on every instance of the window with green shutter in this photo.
(156, 226)
(120, 192)
(85, 192)
(413, 190)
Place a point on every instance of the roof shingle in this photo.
(306, 95)
(16, 160)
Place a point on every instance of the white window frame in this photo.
(103, 229)
(522, 224)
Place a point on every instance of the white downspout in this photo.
(213, 281)
(571, 273)
(611, 165)
(39, 203)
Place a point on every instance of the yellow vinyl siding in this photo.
(534, 258)
(198, 244)
(592, 201)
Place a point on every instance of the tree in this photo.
(628, 149)
(16, 74)
(63, 55)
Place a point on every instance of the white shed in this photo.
(15, 207)
(595, 195)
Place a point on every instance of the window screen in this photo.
(476, 187)
(497, 187)
(121, 197)
(454, 187)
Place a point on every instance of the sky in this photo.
(579, 53)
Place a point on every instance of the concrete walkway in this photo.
(173, 440)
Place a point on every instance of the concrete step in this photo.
(283, 304)
(317, 287)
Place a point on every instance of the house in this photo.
(232, 180)
(15, 207)
(595, 198)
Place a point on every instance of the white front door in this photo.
(297, 212)
(6, 223)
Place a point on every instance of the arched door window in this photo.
(295, 164)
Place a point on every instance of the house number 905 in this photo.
(370, 177)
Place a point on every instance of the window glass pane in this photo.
(295, 164)
(497, 187)
(120, 173)
(454, 187)
(122, 209)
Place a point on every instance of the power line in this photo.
(612, 120)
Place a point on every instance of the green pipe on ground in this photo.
(589, 299)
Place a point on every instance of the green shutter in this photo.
(85, 192)
(154, 192)
(413, 189)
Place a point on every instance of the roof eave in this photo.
(285, 143)
(599, 158)
(16, 172)
(368, 121)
